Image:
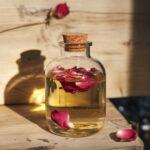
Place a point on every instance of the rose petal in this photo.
(86, 85)
(75, 79)
(58, 69)
(93, 70)
(68, 78)
(74, 87)
(86, 76)
(81, 70)
(72, 71)
(68, 125)
(70, 87)
(127, 134)
(61, 78)
(61, 117)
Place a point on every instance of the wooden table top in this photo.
(21, 128)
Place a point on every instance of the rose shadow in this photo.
(114, 138)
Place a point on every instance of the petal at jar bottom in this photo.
(61, 118)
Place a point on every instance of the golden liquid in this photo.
(86, 109)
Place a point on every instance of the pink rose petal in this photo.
(61, 78)
(72, 71)
(86, 85)
(69, 75)
(81, 70)
(57, 69)
(68, 125)
(75, 79)
(127, 134)
(70, 87)
(93, 70)
(86, 76)
(61, 117)
(74, 87)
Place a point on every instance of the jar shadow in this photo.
(24, 92)
(29, 80)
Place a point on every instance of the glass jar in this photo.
(75, 92)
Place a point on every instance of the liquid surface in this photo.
(82, 98)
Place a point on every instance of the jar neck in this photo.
(85, 53)
(75, 52)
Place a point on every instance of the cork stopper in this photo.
(75, 41)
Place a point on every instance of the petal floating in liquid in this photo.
(57, 69)
(70, 87)
(86, 85)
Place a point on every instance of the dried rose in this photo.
(62, 118)
(61, 10)
(127, 134)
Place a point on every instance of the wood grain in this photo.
(112, 26)
(21, 128)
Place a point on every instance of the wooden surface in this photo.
(23, 129)
(119, 30)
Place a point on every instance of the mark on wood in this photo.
(29, 140)
(44, 140)
(42, 148)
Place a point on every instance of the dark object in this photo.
(136, 111)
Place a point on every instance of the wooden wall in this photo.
(120, 31)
